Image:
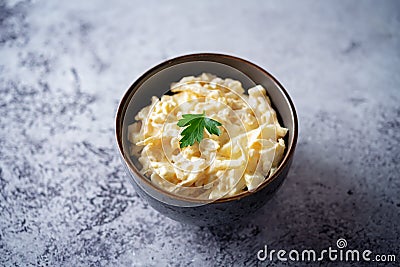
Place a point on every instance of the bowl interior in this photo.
(157, 81)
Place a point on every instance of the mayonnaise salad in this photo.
(248, 150)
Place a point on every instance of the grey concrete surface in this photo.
(64, 197)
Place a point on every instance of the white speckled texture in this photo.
(64, 197)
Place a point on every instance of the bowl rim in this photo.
(130, 92)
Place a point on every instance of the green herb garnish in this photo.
(195, 128)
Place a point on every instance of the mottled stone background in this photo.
(64, 197)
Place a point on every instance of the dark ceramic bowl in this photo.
(156, 81)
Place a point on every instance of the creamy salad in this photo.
(208, 139)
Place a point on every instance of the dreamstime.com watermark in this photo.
(338, 253)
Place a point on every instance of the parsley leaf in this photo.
(194, 131)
